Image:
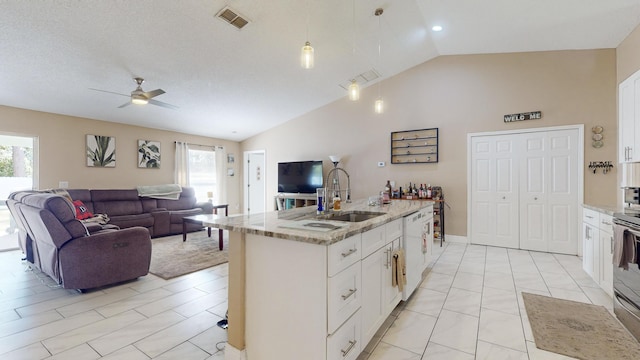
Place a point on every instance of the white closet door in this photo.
(524, 190)
(495, 196)
(549, 191)
(533, 191)
(563, 192)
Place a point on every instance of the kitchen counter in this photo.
(287, 224)
(280, 271)
(605, 209)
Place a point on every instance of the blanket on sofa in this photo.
(169, 191)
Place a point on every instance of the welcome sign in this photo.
(534, 115)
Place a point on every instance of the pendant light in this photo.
(306, 56)
(379, 104)
(354, 91)
(354, 88)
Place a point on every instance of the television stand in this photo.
(286, 201)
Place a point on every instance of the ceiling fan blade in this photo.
(110, 92)
(163, 104)
(125, 104)
(153, 93)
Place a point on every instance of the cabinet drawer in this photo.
(591, 217)
(345, 343)
(393, 230)
(343, 254)
(344, 296)
(373, 240)
(606, 223)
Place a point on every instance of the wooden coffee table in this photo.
(205, 219)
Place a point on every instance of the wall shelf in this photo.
(414, 146)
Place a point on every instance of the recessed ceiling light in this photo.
(436, 28)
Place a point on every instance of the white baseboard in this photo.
(456, 239)
(231, 353)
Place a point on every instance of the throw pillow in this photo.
(81, 210)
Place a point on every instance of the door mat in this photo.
(579, 330)
(171, 257)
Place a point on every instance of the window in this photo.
(202, 173)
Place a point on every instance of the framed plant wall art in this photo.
(148, 154)
(101, 151)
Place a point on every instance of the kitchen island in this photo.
(309, 287)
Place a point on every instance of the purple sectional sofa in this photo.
(126, 209)
(83, 255)
(62, 247)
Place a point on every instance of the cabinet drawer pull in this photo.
(606, 223)
(349, 252)
(344, 352)
(348, 295)
(590, 217)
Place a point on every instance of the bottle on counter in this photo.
(421, 192)
(429, 192)
(388, 188)
(336, 203)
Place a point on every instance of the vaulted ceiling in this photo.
(228, 83)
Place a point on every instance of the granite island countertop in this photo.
(289, 224)
(605, 209)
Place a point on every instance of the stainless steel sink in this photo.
(351, 216)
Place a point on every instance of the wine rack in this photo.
(414, 146)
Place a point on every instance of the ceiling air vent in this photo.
(232, 17)
(362, 79)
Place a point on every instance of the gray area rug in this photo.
(171, 257)
(579, 330)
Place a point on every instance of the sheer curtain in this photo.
(221, 175)
(181, 175)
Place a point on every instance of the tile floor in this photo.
(468, 306)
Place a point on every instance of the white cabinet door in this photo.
(590, 258)
(629, 116)
(372, 270)
(391, 295)
(606, 262)
(626, 113)
(494, 200)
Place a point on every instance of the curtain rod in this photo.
(213, 146)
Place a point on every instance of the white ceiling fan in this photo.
(141, 97)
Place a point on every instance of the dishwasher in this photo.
(418, 247)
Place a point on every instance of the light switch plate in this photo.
(380, 163)
(63, 184)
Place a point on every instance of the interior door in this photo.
(255, 201)
(494, 218)
(525, 190)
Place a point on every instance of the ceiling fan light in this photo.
(139, 100)
(306, 57)
(354, 91)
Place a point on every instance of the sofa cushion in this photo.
(127, 221)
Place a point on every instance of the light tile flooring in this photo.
(469, 306)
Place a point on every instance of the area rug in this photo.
(579, 330)
(171, 257)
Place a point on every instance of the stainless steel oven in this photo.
(626, 283)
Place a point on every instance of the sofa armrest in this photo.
(161, 222)
(105, 258)
(157, 210)
(207, 207)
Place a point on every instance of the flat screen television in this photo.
(300, 177)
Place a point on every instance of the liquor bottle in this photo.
(415, 190)
(429, 192)
(421, 193)
(387, 188)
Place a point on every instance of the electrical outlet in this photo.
(380, 163)
(63, 184)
